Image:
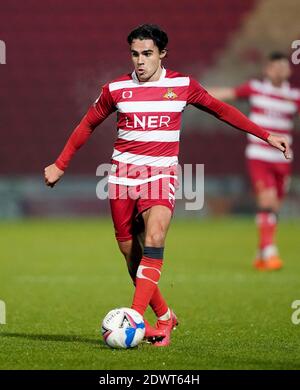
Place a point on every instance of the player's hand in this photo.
(281, 143)
(52, 175)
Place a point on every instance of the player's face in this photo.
(278, 71)
(146, 59)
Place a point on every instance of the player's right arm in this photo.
(223, 94)
(242, 91)
(96, 114)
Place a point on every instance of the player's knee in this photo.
(268, 199)
(155, 238)
(268, 203)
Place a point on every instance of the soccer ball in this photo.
(123, 328)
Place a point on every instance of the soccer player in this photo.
(273, 104)
(149, 102)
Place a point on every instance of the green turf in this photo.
(59, 278)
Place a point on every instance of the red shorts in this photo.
(264, 174)
(128, 202)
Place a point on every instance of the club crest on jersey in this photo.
(126, 94)
(170, 94)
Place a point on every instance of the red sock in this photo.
(266, 222)
(158, 304)
(147, 277)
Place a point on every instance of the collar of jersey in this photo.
(284, 86)
(136, 80)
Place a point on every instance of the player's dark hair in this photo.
(149, 31)
(276, 56)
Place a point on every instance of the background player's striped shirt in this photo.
(272, 108)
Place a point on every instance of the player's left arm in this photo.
(201, 99)
(96, 114)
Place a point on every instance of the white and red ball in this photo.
(123, 328)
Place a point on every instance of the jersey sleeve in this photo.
(197, 95)
(200, 98)
(102, 107)
(243, 91)
(95, 115)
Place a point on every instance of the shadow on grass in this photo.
(55, 338)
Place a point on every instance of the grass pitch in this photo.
(59, 278)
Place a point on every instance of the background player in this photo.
(273, 104)
(150, 102)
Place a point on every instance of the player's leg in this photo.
(266, 220)
(267, 202)
(123, 213)
(133, 248)
(157, 302)
(133, 253)
(156, 205)
(126, 250)
(281, 172)
(157, 220)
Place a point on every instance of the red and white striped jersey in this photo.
(272, 108)
(148, 124)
